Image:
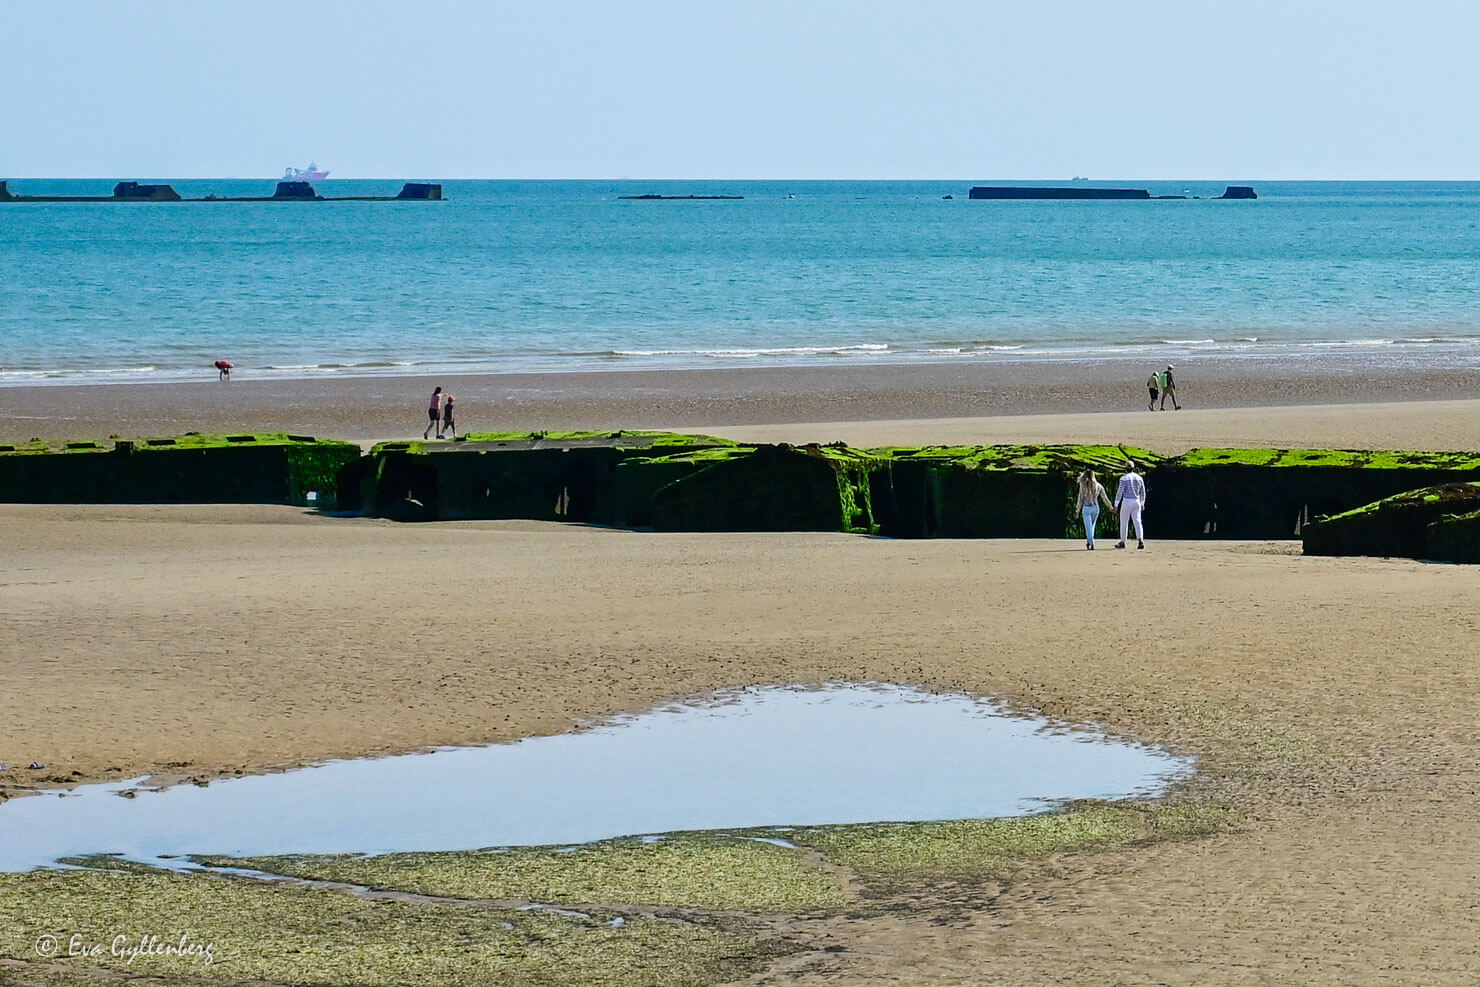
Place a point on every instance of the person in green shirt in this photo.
(1169, 389)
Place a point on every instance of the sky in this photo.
(795, 89)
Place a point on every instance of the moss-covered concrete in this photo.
(1274, 493)
(673, 481)
(1378, 459)
(568, 476)
(1398, 526)
(769, 488)
(1008, 491)
(272, 468)
(1455, 539)
(624, 438)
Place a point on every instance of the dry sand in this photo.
(1333, 700)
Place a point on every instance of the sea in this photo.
(507, 276)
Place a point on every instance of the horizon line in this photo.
(526, 178)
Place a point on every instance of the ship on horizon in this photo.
(309, 174)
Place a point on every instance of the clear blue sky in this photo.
(728, 89)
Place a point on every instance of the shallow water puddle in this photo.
(841, 753)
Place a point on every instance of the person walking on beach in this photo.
(434, 414)
(223, 370)
(1153, 387)
(1169, 389)
(449, 427)
(1130, 499)
(1090, 495)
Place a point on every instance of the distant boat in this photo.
(1076, 178)
(309, 174)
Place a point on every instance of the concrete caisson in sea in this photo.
(1055, 192)
(287, 191)
(1089, 192)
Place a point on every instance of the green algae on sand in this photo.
(264, 931)
(680, 870)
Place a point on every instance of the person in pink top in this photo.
(1130, 498)
(434, 413)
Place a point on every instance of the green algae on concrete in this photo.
(566, 476)
(260, 931)
(1394, 527)
(628, 438)
(1344, 458)
(1004, 491)
(1107, 460)
(1274, 493)
(682, 870)
(770, 488)
(1455, 539)
(267, 468)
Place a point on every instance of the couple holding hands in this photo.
(1130, 498)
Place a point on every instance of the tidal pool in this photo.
(840, 753)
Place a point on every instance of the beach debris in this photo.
(35, 766)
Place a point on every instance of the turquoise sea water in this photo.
(509, 275)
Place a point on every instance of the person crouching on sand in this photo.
(449, 427)
(434, 414)
(223, 370)
(1090, 495)
(1130, 498)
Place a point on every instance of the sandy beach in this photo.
(1330, 700)
(367, 409)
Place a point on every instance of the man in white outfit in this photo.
(1130, 498)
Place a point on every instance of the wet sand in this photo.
(1332, 701)
(373, 408)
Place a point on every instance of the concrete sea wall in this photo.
(1413, 504)
(199, 469)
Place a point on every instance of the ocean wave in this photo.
(114, 371)
(1420, 346)
(739, 353)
